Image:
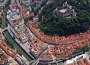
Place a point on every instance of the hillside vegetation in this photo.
(54, 25)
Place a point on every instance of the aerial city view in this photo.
(44, 32)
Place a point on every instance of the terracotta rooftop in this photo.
(81, 62)
(56, 39)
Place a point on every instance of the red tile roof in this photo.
(56, 39)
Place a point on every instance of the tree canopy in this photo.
(54, 25)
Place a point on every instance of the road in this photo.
(6, 34)
(19, 47)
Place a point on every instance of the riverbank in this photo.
(8, 36)
(16, 46)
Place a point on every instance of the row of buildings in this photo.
(58, 52)
(7, 55)
(81, 61)
(37, 45)
(56, 39)
(35, 5)
(18, 29)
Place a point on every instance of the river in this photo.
(17, 47)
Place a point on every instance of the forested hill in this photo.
(54, 25)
